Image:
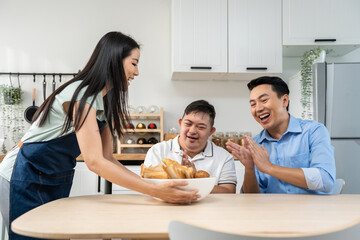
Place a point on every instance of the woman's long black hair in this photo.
(104, 69)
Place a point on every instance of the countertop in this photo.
(121, 157)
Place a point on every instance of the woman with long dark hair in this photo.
(81, 116)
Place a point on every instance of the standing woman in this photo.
(81, 116)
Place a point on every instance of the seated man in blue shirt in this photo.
(295, 155)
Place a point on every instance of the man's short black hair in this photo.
(277, 84)
(201, 106)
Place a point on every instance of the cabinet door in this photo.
(199, 35)
(255, 36)
(85, 182)
(116, 189)
(308, 22)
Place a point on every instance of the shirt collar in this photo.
(207, 152)
(293, 127)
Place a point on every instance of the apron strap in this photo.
(19, 144)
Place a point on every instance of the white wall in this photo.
(59, 36)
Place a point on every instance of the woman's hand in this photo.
(168, 192)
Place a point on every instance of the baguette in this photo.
(202, 174)
(173, 171)
(157, 175)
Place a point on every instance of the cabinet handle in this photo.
(208, 68)
(256, 68)
(326, 40)
(99, 184)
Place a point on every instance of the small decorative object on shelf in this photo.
(173, 130)
(140, 126)
(141, 141)
(130, 126)
(172, 133)
(141, 109)
(153, 109)
(152, 126)
(130, 141)
(131, 109)
(152, 140)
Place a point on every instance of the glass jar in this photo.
(241, 137)
(218, 139)
(153, 109)
(232, 136)
(141, 110)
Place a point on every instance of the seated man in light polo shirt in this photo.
(193, 147)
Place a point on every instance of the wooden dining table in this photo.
(142, 217)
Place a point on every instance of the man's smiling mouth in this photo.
(265, 116)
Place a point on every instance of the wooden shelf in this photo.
(145, 115)
(136, 145)
(124, 157)
(143, 130)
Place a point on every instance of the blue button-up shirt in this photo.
(306, 144)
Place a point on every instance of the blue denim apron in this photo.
(43, 172)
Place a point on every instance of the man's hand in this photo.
(185, 161)
(259, 154)
(241, 153)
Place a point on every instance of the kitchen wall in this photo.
(59, 36)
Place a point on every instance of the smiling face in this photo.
(130, 64)
(269, 110)
(195, 129)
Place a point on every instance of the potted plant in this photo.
(12, 115)
(11, 94)
(308, 59)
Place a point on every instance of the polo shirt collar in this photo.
(208, 151)
(293, 127)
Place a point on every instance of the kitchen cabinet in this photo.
(332, 24)
(116, 189)
(85, 182)
(199, 36)
(123, 145)
(255, 36)
(226, 39)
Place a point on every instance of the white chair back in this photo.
(339, 186)
(2, 230)
(182, 231)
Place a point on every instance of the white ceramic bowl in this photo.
(204, 185)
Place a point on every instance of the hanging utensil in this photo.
(44, 87)
(30, 111)
(53, 83)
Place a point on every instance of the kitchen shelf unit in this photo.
(146, 118)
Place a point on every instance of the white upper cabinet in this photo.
(199, 36)
(255, 36)
(322, 23)
(226, 39)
